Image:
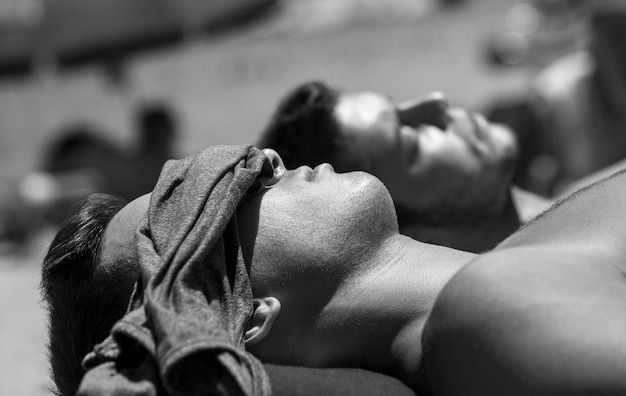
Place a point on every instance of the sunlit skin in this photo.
(517, 306)
(322, 247)
(428, 153)
(447, 167)
(539, 315)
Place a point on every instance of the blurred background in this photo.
(96, 94)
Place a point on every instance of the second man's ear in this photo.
(266, 311)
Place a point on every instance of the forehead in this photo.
(363, 108)
(119, 236)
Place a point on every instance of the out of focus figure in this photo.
(81, 160)
(78, 161)
(156, 130)
(82, 150)
(573, 120)
(447, 169)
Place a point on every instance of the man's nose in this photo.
(430, 109)
(277, 164)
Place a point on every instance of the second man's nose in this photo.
(430, 109)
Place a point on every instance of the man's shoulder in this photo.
(512, 318)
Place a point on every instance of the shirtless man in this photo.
(336, 285)
(447, 169)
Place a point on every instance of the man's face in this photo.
(313, 221)
(432, 157)
(306, 222)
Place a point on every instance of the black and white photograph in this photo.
(313, 197)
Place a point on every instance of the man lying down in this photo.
(234, 260)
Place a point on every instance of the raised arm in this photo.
(545, 312)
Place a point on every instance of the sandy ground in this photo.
(23, 361)
(223, 90)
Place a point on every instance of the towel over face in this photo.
(184, 331)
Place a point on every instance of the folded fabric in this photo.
(184, 331)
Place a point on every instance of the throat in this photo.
(375, 320)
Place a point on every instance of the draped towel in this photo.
(183, 334)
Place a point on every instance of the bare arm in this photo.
(544, 313)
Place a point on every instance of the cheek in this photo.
(287, 226)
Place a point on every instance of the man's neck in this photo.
(375, 321)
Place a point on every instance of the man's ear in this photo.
(266, 311)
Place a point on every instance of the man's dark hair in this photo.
(83, 298)
(303, 129)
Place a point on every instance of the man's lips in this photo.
(471, 126)
(481, 126)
